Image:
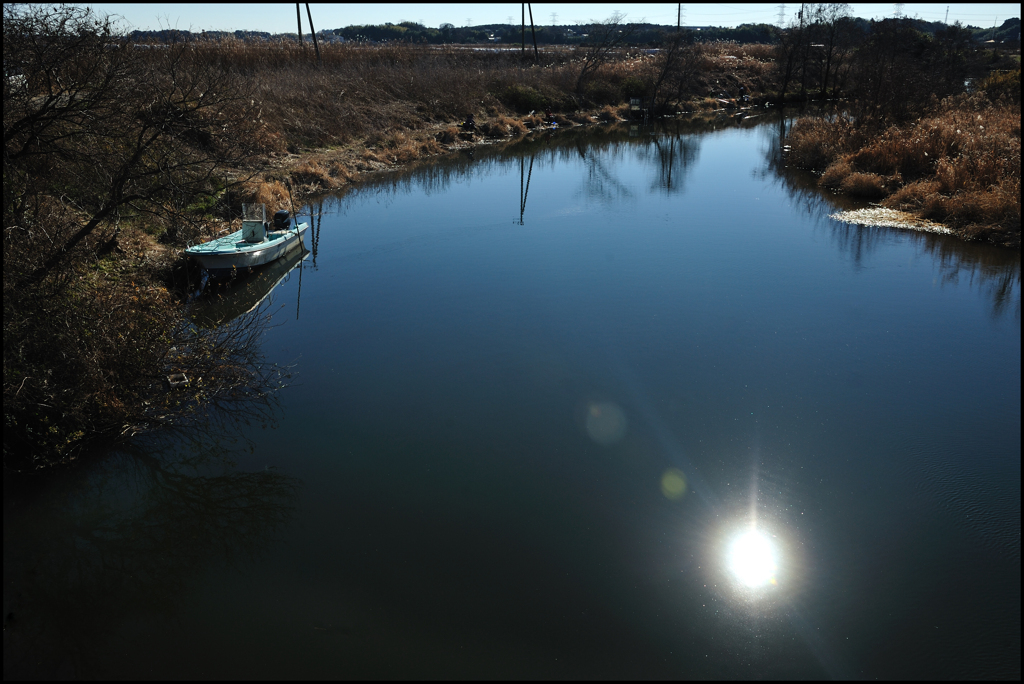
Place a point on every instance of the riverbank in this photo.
(368, 109)
(958, 165)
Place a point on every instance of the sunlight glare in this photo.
(752, 559)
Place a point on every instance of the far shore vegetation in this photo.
(121, 150)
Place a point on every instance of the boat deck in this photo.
(234, 243)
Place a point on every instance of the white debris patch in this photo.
(891, 218)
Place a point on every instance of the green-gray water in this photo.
(538, 394)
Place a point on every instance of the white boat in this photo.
(256, 244)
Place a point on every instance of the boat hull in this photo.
(231, 254)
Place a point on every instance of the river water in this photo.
(617, 402)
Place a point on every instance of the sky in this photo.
(280, 17)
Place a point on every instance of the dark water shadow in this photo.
(116, 541)
(121, 542)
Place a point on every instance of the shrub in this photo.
(913, 196)
(608, 113)
(495, 128)
(448, 135)
(816, 143)
(869, 185)
(522, 98)
(835, 174)
(1006, 84)
(311, 173)
(634, 86)
(601, 92)
(516, 128)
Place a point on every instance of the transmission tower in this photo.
(782, 14)
(554, 18)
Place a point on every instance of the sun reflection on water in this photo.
(752, 558)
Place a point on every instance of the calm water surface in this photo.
(607, 403)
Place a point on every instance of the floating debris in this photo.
(176, 380)
(890, 218)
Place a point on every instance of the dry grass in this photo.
(869, 185)
(271, 193)
(448, 135)
(835, 174)
(959, 166)
(816, 143)
(364, 89)
(609, 113)
(502, 127)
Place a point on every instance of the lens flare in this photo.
(606, 423)
(752, 559)
(673, 484)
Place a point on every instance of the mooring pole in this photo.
(313, 32)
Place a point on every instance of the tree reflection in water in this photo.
(675, 154)
(117, 541)
(995, 270)
(671, 148)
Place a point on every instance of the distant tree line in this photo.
(892, 66)
(643, 34)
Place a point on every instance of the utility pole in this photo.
(298, 18)
(533, 31)
(679, 16)
(946, 20)
(316, 46)
(524, 30)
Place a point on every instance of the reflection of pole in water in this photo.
(524, 192)
(298, 297)
(316, 230)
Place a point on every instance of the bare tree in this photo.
(678, 62)
(96, 130)
(831, 29)
(603, 40)
(103, 126)
(788, 55)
